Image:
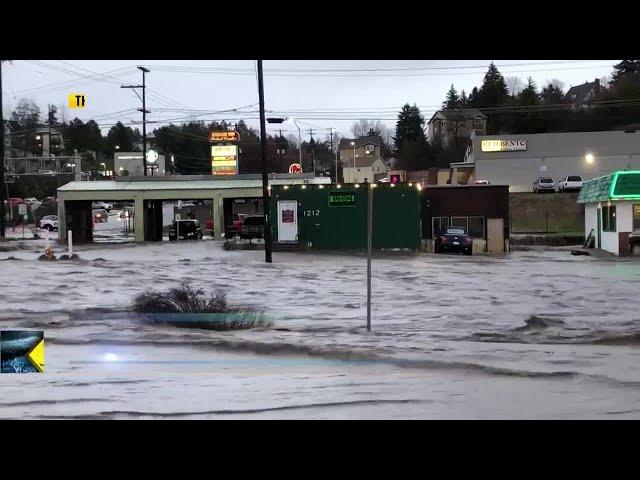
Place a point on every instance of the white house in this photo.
(366, 169)
(612, 211)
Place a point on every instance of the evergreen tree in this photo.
(529, 95)
(464, 101)
(120, 136)
(410, 140)
(493, 91)
(626, 68)
(473, 98)
(452, 101)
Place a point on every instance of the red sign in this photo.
(287, 216)
(295, 168)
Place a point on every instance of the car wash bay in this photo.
(149, 193)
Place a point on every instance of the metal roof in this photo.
(620, 185)
(108, 185)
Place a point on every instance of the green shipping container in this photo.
(332, 218)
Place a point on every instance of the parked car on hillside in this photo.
(570, 183)
(14, 201)
(31, 200)
(49, 202)
(544, 184)
(454, 239)
(185, 229)
(482, 182)
(100, 215)
(49, 222)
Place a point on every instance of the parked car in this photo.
(544, 184)
(31, 200)
(97, 205)
(570, 183)
(14, 202)
(49, 222)
(252, 227)
(482, 182)
(100, 215)
(238, 221)
(454, 239)
(49, 202)
(185, 229)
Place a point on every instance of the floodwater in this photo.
(534, 334)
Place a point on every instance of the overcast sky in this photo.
(319, 94)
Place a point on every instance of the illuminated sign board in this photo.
(295, 168)
(503, 145)
(224, 151)
(342, 199)
(224, 136)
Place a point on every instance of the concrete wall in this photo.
(545, 213)
(556, 155)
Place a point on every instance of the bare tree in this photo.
(559, 84)
(514, 84)
(362, 128)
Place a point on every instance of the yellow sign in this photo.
(36, 356)
(77, 100)
(223, 163)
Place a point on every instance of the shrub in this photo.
(188, 307)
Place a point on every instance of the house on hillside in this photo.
(584, 93)
(447, 125)
(361, 159)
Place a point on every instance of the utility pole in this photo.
(265, 182)
(144, 114)
(313, 152)
(336, 154)
(2, 186)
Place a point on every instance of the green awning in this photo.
(621, 185)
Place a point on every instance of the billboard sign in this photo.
(224, 136)
(503, 145)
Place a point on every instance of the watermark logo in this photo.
(21, 351)
(77, 100)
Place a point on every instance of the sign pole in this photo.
(265, 184)
(369, 242)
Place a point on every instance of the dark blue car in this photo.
(454, 240)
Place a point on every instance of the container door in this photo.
(287, 221)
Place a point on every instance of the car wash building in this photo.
(147, 195)
(334, 216)
(482, 210)
(612, 212)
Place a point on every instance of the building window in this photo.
(439, 224)
(609, 219)
(636, 218)
(474, 226)
(369, 149)
(477, 122)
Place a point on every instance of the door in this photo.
(495, 235)
(287, 221)
(599, 217)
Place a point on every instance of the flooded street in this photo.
(535, 334)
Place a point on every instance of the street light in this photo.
(589, 158)
(353, 144)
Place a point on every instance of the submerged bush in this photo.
(188, 307)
